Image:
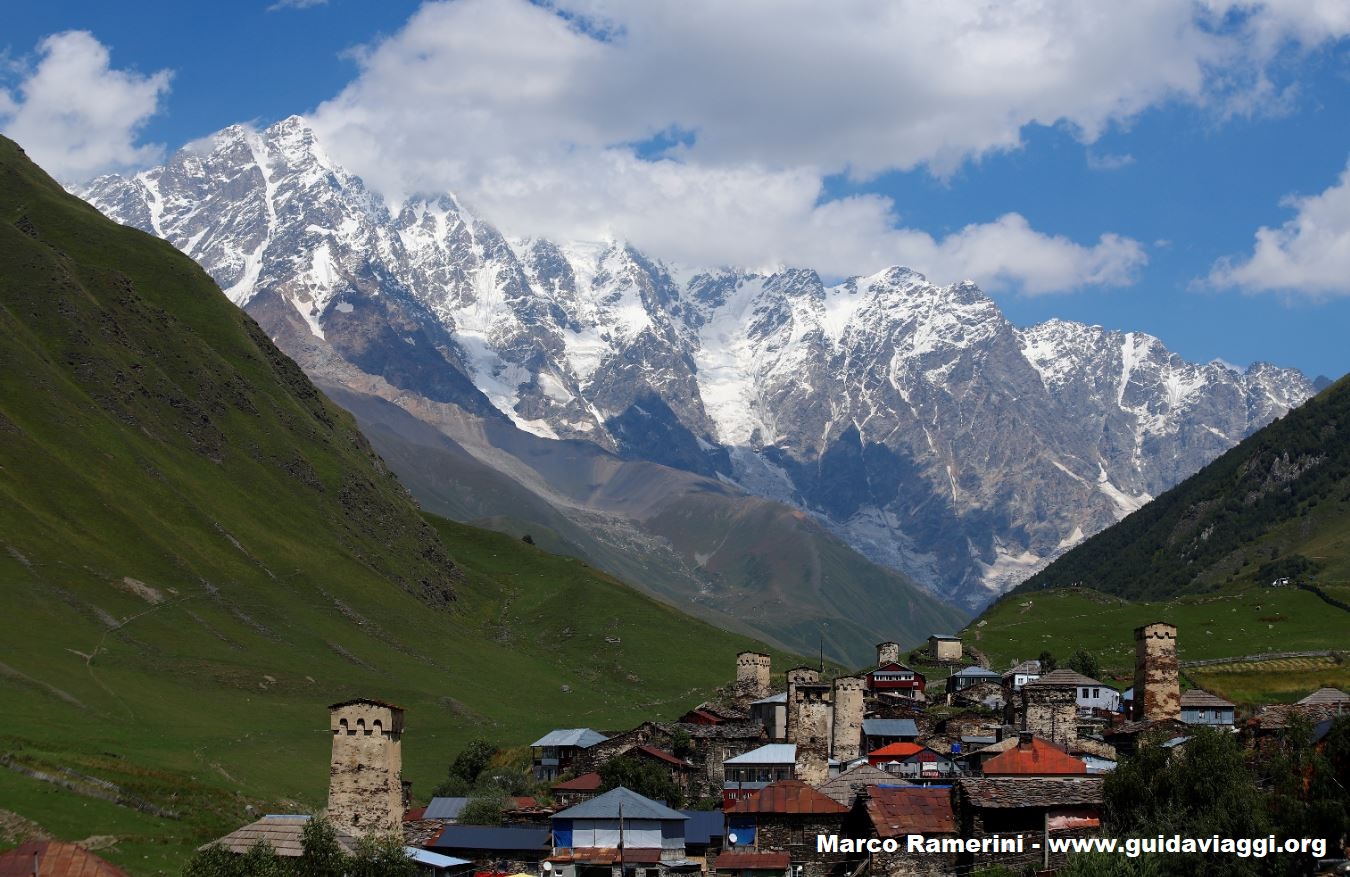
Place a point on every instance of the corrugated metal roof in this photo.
(444, 808)
(703, 826)
(55, 858)
(662, 755)
(890, 728)
(780, 697)
(1037, 758)
(582, 737)
(493, 837)
(608, 806)
(897, 750)
(284, 833)
(975, 673)
(787, 796)
(587, 782)
(913, 810)
(772, 753)
(435, 860)
(752, 862)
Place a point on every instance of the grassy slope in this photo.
(149, 432)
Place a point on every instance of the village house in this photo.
(704, 834)
(1020, 674)
(55, 858)
(1032, 756)
(679, 770)
(771, 712)
(1089, 693)
(968, 676)
(944, 647)
(785, 817)
(1031, 808)
(912, 761)
(508, 849)
(704, 747)
(615, 831)
(1202, 708)
(846, 787)
(882, 732)
(895, 678)
(746, 774)
(896, 812)
(554, 752)
(583, 788)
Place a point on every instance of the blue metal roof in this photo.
(890, 728)
(444, 808)
(769, 753)
(582, 737)
(703, 826)
(435, 860)
(976, 672)
(492, 837)
(620, 801)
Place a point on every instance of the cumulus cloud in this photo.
(1309, 254)
(295, 4)
(703, 130)
(76, 115)
(1108, 161)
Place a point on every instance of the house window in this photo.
(1085, 692)
(1096, 692)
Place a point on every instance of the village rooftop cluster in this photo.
(1018, 754)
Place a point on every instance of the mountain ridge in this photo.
(897, 412)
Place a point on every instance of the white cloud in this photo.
(543, 117)
(1107, 161)
(296, 4)
(78, 117)
(1309, 254)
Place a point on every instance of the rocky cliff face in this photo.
(911, 419)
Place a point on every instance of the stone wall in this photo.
(1157, 692)
(795, 834)
(795, 677)
(1050, 712)
(752, 675)
(887, 652)
(365, 785)
(846, 732)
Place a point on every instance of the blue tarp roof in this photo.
(492, 837)
(620, 800)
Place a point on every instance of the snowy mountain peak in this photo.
(911, 418)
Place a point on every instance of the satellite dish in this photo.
(548, 866)
(731, 838)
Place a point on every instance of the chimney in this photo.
(1023, 739)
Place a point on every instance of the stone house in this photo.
(1029, 808)
(882, 732)
(1033, 756)
(1020, 674)
(771, 712)
(705, 747)
(785, 817)
(737, 863)
(554, 753)
(578, 789)
(746, 774)
(853, 782)
(944, 647)
(896, 812)
(505, 848)
(968, 676)
(616, 830)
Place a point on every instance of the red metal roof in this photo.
(752, 861)
(415, 814)
(587, 782)
(787, 796)
(897, 750)
(55, 858)
(662, 755)
(910, 810)
(1037, 758)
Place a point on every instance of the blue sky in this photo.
(1113, 166)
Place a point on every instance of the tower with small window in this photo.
(365, 784)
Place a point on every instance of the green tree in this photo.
(1306, 799)
(504, 781)
(381, 856)
(323, 856)
(482, 810)
(643, 776)
(1084, 662)
(1048, 662)
(464, 771)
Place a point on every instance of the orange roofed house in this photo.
(785, 817)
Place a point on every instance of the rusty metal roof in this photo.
(752, 862)
(911, 810)
(1037, 758)
(587, 782)
(662, 755)
(897, 750)
(54, 858)
(787, 796)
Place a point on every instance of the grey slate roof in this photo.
(1197, 699)
(607, 806)
(1013, 792)
(1065, 678)
(845, 787)
(444, 808)
(780, 697)
(890, 728)
(582, 737)
(1327, 695)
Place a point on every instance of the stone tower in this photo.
(887, 652)
(365, 784)
(1050, 709)
(846, 733)
(795, 677)
(752, 675)
(811, 703)
(1157, 694)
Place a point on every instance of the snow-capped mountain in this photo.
(911, 419)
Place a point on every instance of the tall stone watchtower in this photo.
(365, 780)
(887, 652)
(1157, 693)
(1050, 707)
(752, 675)
(846, 733)
(796, 677)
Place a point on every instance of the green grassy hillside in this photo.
(198, 552)
(1277, 504)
